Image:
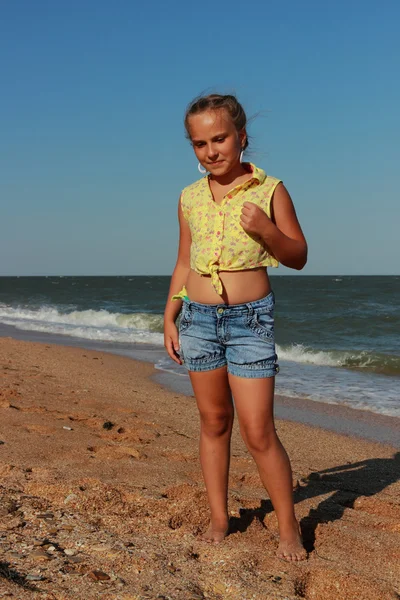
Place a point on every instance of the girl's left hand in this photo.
(254, 220)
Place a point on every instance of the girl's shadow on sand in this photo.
(348, 482)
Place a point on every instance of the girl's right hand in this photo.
(171, 341)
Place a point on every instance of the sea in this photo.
(338, 337)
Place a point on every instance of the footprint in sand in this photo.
(40, 429)
(116, 452)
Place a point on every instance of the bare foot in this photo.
(291, 547)
(214, 534)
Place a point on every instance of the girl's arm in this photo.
(282, 234)
(178, 280)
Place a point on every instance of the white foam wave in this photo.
(87, 324)
(301, 354)
(340, 358)
(147, 328)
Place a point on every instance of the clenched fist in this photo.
(254, 220)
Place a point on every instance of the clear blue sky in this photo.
(92, 148)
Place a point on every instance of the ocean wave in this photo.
(386, 364)
(141, 327)
(87, 324)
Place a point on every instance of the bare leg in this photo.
(215, 405)
(254, 405)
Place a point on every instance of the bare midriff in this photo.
(238, 287)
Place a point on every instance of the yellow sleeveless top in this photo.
(219, 242)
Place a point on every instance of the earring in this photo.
(241, 156)
(201, 169)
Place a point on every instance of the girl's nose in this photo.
(212, 152)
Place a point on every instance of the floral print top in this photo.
(219, 242)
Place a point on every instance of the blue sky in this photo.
(92, 148)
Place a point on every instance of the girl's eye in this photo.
(220, 139)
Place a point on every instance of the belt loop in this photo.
(250, 309)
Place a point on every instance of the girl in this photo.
(234, 222)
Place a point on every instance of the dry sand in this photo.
(101, 494)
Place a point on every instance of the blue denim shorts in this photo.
(239, 336)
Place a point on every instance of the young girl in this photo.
(234, 222)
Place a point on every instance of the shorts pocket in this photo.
(262, 324)
(187, 317)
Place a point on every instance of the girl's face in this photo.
(216, 141)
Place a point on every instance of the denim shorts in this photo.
(239, 336)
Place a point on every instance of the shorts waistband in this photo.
(227, 309)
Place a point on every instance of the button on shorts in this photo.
(239, 336)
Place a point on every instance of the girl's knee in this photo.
(216, 424)
(259, 441)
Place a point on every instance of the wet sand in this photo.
(101, 494)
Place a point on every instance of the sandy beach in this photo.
(102, 495)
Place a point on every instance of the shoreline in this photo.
(333, 417)
(101, 494)
(337, 418)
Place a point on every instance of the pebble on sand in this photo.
(98, 575)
